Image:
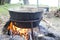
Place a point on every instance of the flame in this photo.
(20, 31)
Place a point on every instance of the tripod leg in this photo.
(11, 36)
(32, 31)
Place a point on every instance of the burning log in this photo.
(20, 31)
(5, 27)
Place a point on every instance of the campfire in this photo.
(22, 22)
(19, 31)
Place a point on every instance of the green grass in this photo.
(4, 8)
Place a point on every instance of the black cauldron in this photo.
(19, 16)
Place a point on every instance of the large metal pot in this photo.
(25, 15)
(19, 16)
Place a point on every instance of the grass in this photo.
(4, 8)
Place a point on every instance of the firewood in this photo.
(48, 23)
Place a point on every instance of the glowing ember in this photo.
(20, 31)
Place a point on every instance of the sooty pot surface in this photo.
(25, 14)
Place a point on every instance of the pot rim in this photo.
(24, 10)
